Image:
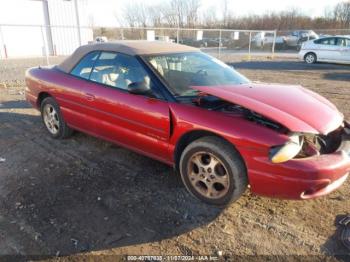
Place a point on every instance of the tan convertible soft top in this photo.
(136, 47)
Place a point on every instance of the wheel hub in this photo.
(310, 58)
(208, 175)
(51, 119)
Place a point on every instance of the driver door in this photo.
(327, 49)
(138, 122)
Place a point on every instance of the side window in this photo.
(347, 42)
(105, 69)
(331, 41)
(84, 67)
(341, 42)
(344, 42)
(326, 41)
(119, 71)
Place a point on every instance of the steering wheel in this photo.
(199, 77)
(202, 72)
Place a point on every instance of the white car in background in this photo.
(263, 39)
(297, 38)
(333, 49)
(101, 39)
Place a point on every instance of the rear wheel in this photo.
(310, 58)
(213, 171)
(53, 119)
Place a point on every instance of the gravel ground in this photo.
(84, 196)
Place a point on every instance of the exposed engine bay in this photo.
(321, 144)
(216, 104)
(313, 144)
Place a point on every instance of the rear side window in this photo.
(84, 67)
(347, 41)
(344, 42)
(326, 41)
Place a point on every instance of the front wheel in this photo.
(53, 119)
(310, 58)
(213, 171)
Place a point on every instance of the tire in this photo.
(310, 58)
(213, 171)
(53, 119)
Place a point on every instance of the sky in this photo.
(104, 12)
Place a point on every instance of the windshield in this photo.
(183, 70)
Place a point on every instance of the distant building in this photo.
(40, 27)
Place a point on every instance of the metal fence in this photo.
(215, 41)
(43, 41)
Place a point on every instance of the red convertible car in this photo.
(180, 106)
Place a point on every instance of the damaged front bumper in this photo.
(303, 178)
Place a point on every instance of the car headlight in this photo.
(289, 150)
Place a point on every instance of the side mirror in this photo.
(139, 88)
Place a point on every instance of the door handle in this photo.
(90, 97)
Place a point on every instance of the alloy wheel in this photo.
(310, 59)
(51, 119)
(208, 175)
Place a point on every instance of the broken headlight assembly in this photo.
(289, 150)
(308, 145)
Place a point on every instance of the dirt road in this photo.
(85, 195)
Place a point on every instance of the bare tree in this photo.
(225, 12)
(179, 8)
(135, 14)
(342, 13)
(185, 13)
(155, 14)
(172, 13)
(209, 19)
(192, 12)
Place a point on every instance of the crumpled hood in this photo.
(295, 107)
